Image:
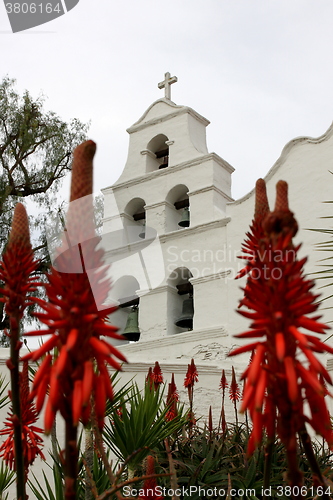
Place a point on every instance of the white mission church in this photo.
(173, 232)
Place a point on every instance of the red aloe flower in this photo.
(150, 489)
(74, 314)
(191, 376)
(279, 299)
(256, 233)
(17, 265)
(190, 379)
(234, 391)
(172, 399)
(223, 383)
(150, 378)
(157, 375)
(16, 271)
(31, 439)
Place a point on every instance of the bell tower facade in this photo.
(165, 233)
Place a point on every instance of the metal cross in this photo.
(166, 84)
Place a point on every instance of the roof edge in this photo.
(175, 110)
(297, 141)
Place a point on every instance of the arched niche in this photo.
(157, 153)
(125, 289)
(124, 293)
(177, 201)
(180, 289)
(135, 218)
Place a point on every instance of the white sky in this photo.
(259, 70)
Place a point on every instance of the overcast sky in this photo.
(260, 71)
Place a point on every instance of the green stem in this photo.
(54, 446)
(220, 420)
(307, 445)
(268, 465)
(16, 406)
(295, 476)
(236, 413)
(173, 477)
(89, 457)
(190, 396)
(71, 460)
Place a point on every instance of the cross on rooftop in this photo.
(166, 84)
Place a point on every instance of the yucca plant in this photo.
(325, 274)
(4, 398)
(99, 475)
(7, 477)
(140, 426)
(48, 491)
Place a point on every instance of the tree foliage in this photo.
(35, 152)
(35, 155)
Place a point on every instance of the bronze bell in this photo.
(165, 161)
(132, 331)
(185, 320)
(185, 220)
(142, 233)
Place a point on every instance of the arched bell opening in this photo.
(157, 153)
(180, 301)
(124, 293)
(135, 219)
(131, 331)
(177, 208)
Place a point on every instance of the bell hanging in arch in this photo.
(142, 233)
(185, 220)
(185, 320)
(132, 331)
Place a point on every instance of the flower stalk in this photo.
(223, 385)
(149, 490)
(75, 316)
(280, 304)
(16, 271)
(190, 379)
(157, 375)
(234, 393)
(171, 400)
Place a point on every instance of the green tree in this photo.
(35, 155)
